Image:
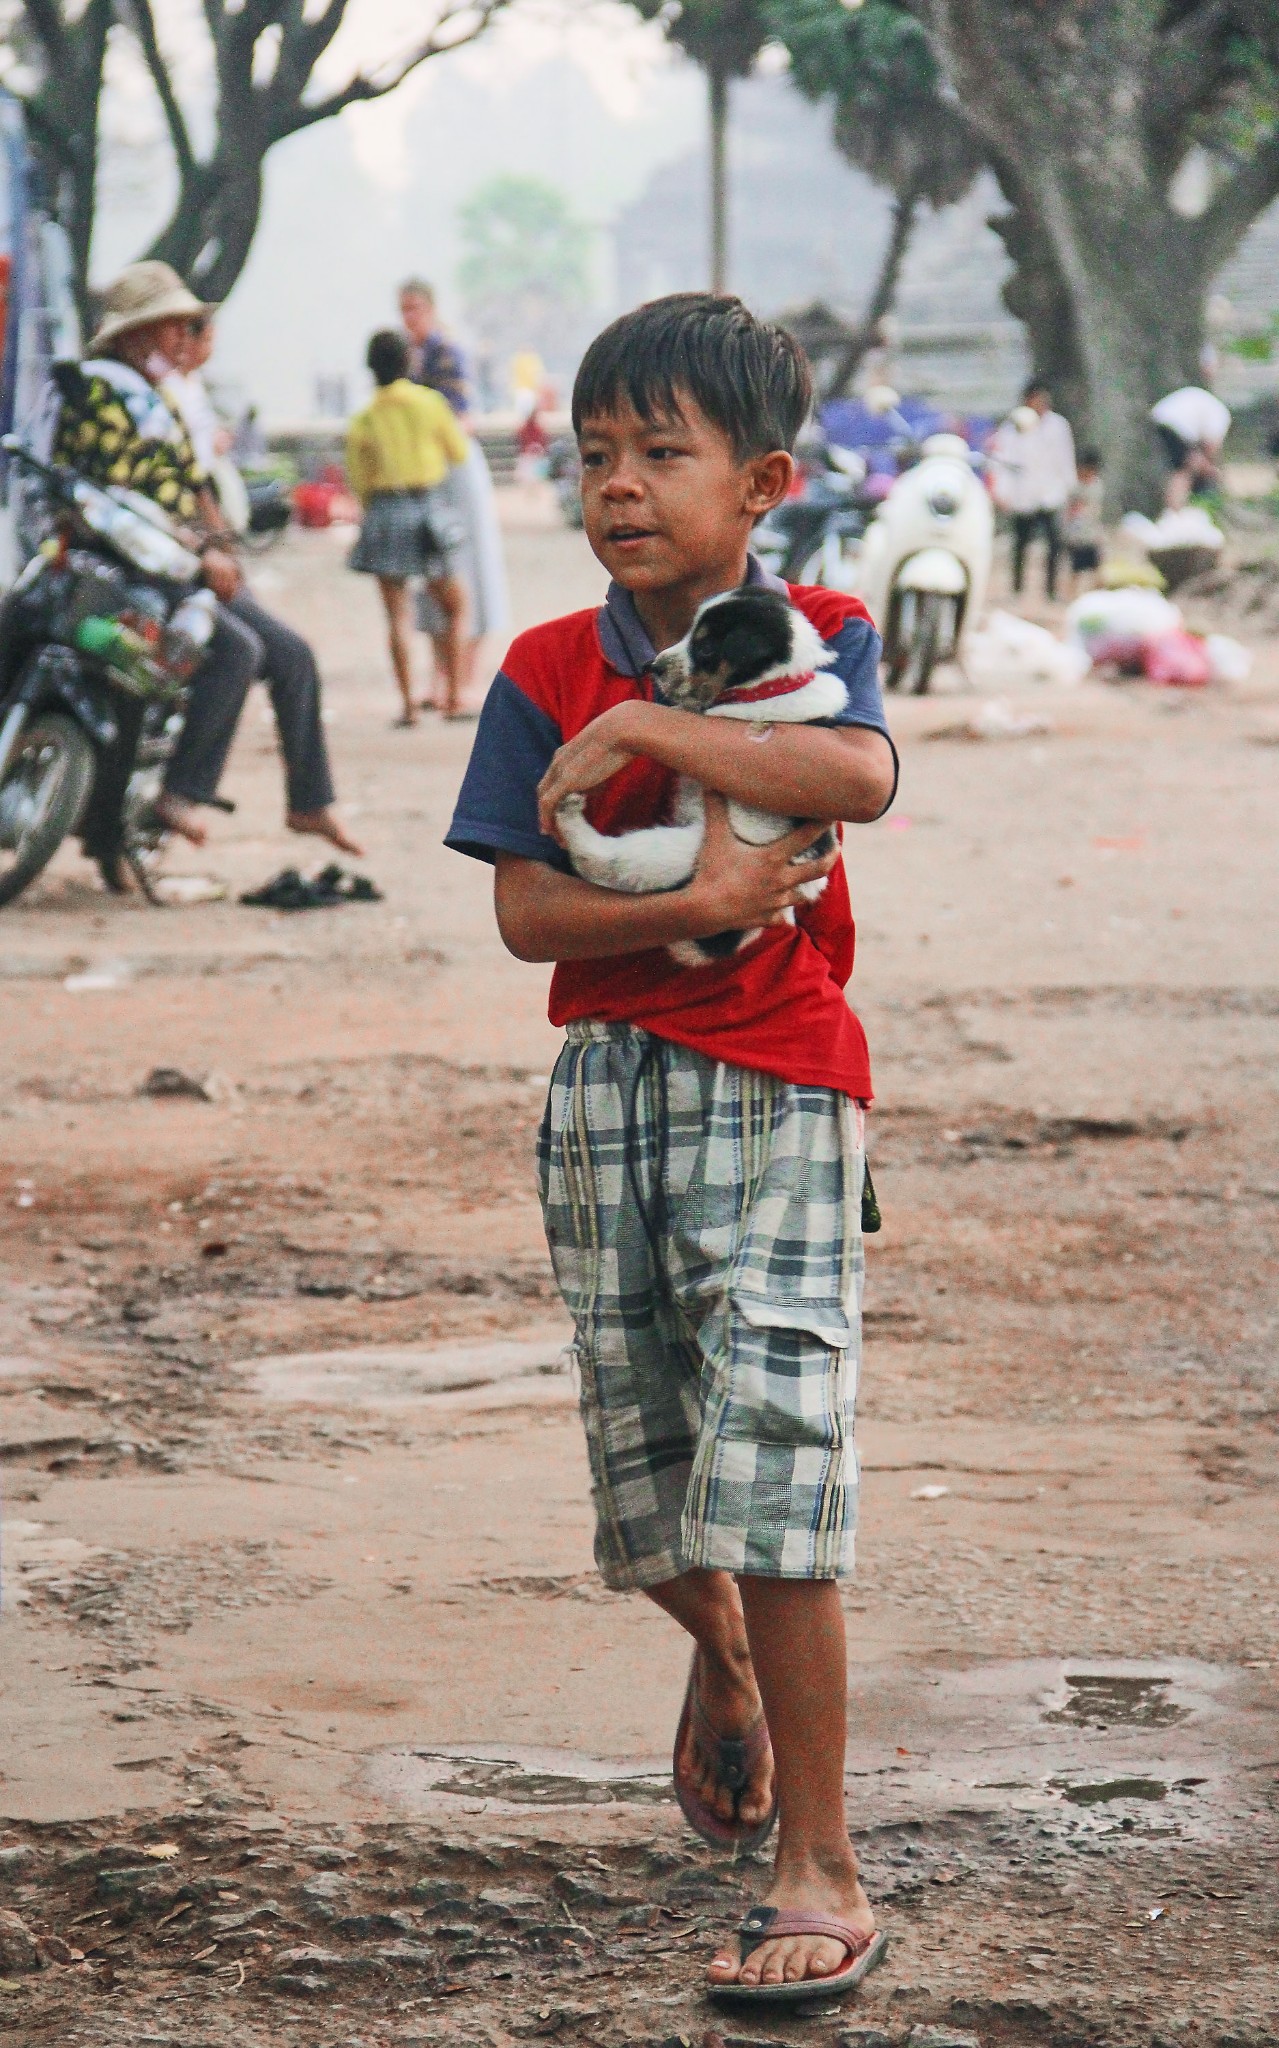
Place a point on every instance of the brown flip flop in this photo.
(772, 1923)
(733, 1760)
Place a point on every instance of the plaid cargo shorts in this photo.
(704, 1223)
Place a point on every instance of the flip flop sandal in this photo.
(734, 1760)
(772, 1923)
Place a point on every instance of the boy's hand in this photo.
(737, 887)
(598, 751)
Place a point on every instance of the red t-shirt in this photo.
(778, 1005)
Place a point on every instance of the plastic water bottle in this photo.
(188, 633)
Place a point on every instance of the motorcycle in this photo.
(925, 562)
(99, 636)
(815, 537)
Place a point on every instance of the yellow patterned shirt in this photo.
(113, 433)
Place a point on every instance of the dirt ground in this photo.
(318, 1728)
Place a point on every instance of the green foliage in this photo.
(893, 116)
(725, 36)
(520, 236)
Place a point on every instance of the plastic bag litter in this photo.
(1191, 527)
(1009, 643)
(1229, 660)
(996, 720)
(1179, 659)
(1128, 614)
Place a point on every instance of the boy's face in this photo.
(667, 503)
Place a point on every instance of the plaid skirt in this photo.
(704, 1222)
(406, 534)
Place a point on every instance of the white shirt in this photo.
(190, 395)
(1034, 466)
(1197, 415)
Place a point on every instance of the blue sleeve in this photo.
(496, 808)
(857, 654)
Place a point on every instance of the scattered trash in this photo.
(1008, 643)
(187, 889)
(996, 720)
(163, 1852)
(111, 974)
(168, 1083)
(1180, 545)
(930, 1493)
(1112, 626)
(24, 1194)
(1156, 1912)
(290, 890)
(1178, 659)
(1229, 660)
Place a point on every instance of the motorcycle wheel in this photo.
(42, 798)
(912, 672)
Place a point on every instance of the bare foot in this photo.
(802, 1887)
(730, 1701)
(324, 825)
(180, 816)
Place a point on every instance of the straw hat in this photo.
(144, 292)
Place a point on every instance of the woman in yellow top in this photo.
(398, 451)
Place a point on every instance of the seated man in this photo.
(115, 426)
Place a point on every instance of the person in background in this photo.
(1034, 453)
(187, 390)
(467, 491)
(1192, 425)
(113, 423)
(1084, 529)
(398, 452)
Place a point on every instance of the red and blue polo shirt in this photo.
(778, 1005)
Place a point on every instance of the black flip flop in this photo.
(733, 1760)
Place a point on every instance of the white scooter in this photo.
(925, 562)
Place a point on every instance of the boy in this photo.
(701, 1155)
(1084, 531)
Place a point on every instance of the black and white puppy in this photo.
(749, 654)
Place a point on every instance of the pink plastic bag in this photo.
(1178, 659)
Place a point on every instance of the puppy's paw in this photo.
(573, 806)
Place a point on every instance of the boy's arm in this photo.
(798, 771)
(544, 914)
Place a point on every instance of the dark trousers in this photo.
(249, 643)
(1025, 526)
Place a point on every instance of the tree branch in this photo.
(179, 135)
(363, 88)
(1223, 224)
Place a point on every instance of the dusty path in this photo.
(318, 1728)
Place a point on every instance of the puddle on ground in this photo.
(1110, 1789)
(520, 1777)
(496, 1778)
(1102, 1700)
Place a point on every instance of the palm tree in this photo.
(724, 37)
(892, 119)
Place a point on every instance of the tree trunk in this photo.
(208, 235)
(1037, 294)
(717, 82)
(905, 213)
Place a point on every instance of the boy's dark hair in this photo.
(1089, 458)
(388, 356)
(1035, 388)
(749, 378)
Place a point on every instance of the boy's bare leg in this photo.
(395, 597)
(795, 1628)
(709, 1606)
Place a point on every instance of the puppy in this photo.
(749, 654)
